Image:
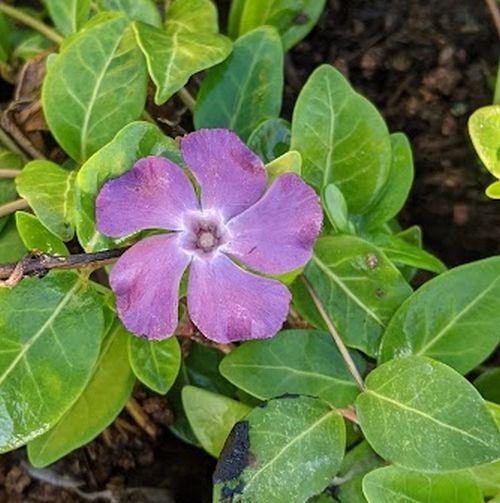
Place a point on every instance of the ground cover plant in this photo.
(133, 231)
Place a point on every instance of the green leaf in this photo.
(11, 245)
(394, 485)
(359, 287)
(133, 142)
(401, 252)
(50, 191)
(270, 139)
(211, 416)
(453, 318)
(98, 404)
(288, 450)
(411, 405)
(487, 476)
(493, 190)
(8, 160)
(51, 332)
(336, 209)
(68, 15)
(135, 10)
(95, 86)
(304, 362)
(31, 45)
(357, 462)
(294, 19)
(395, 192)
(233, 24)
(172, 58)
(342, 139)
(199, 368)
(290, 162)
(246, 88)
(36, 237)
(196, 16)
(484, 129)
(488, 384)
(155, 363)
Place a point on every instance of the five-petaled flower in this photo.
(271, 233)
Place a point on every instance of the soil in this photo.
(427, 65)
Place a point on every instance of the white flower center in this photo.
(206, 240)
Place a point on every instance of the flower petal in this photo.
(230, 175)
(277, 234)
(229, 304)
(146, 284)
(152, 195)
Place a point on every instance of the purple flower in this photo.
(272, 233)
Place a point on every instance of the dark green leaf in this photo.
(211, 416)
(270, 139)
(136, 10)
(8, 160)
(359, 287)
(173, 57)
(411, 405)
(401, 252)
(453, 318)
(357, 462)
(36, 237)
(305, 362)
(342, 139)
(68, 15)
(294, 19)
(50, 191)
(95, 86)
(288, 450)
(133, 142)
(200, 368)
(246, 88)
(395, 485)
(97, 406)
(233, 24)
(11, 246)
(155, 363)
(51, 333)
(488, 384)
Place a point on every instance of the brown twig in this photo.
(335, 334)
(18, 204)
(39, 264)
(9, 125)
(9, 173)
(141, 418)
(349, 414)
(495, 13)
(186, 98)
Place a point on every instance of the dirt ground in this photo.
(427, 65)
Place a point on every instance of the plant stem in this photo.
(9, 173)
(10, 144)
(30, 21)
(147, 117)
(495, 13)
(335, 334)
(18, 204)
(38, 264)
(141, 418)
(187, 99)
